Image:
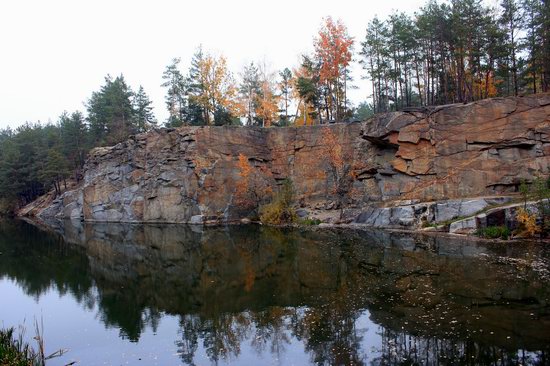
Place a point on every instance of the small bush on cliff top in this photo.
(280, 211)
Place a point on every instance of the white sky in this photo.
(55, 53)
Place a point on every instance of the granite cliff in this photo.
(429, 164)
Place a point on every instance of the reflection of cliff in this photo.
(178, 270)
(230, 285)
(38, 261)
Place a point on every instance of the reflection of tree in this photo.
(118, 308)
(189, 332)
(400, 348)
(330, 331)
(38, 262)
(221, 335)
(271, 327)
(270, 288)
(332, 335)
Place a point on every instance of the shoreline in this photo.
(323, 227)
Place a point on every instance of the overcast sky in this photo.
(54, 54)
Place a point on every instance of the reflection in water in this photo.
(433, 300)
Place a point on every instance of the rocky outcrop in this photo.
(419, 214)
(447, 153)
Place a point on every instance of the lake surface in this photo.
(177, 295)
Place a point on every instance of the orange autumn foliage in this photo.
(252, 187)
(333, 152)
(339, 167)
(333, 49)
(267, 108)
(528, 222)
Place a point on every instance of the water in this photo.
(175, 295)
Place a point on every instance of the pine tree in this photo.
(110, 112)
(73, 142)
(176, 99)
(195, 83)
(55, 170)
(285, 87)
(249, 90)
(511, 20)
(145, 119)
(531, 43)
(309, 90)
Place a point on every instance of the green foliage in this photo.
(55, 169)
(111, 113)
(176, 101)
(309, 221)
(280, 211)
(14, 352)
(457, 51)
(307, 86)
(222, 117)
(249, 90)
(539, 191)
(285, 86)
(145, 119)
(36, 157)
(184, 95)
(524, 191)
(74, 142)
(494, 232)
(363, 112)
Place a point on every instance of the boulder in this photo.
(196, 220)
(466, 226)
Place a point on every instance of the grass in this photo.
(308, 221)
(14, 351)
(280, 211)
(494, 232)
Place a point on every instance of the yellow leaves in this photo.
(244, 166)
(218, 88)
(528, 222)
(267, 108)
(305, 112)
(253, 186)
(242, 186)
(333, 151)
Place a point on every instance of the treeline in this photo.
(38, 157)
(458, 51)
(314, 92)
(447, 52)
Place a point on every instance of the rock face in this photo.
(191, 174)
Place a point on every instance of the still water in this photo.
(177, 295)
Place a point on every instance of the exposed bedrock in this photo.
(448, 155)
